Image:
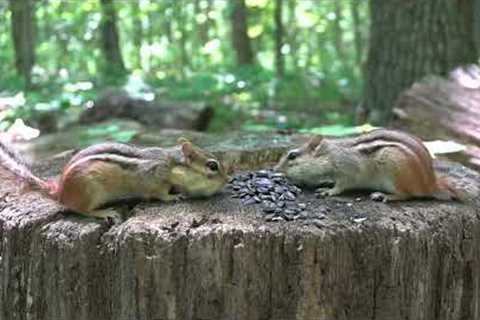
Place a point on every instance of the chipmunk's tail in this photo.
(451, 189)
(15, 170)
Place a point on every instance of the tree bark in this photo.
(167, 27)
(279, 35)
(354, 10)
(240, 40)
(62, 38)
(292, 33)
(183, 39)
(338, 34)
(476, 22)
(23, 23)
(110, 38)
(137, 31)
(410, 39)
(214, 259)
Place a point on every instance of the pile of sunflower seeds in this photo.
(272, 191)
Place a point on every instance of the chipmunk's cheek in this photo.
(301, 174)
(200, 188)
(216, 186)
(294, 172)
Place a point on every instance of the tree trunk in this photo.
(110, 38)
(476, 22)
(182, 42)
(240, 40)
(292, 33)
(167, 27)
(138, 32)
(410, 39)
(338, 34)
(217, 259)
(62, 38)
(354, 9)
(279, 61)
(23, 35)
(150, 35)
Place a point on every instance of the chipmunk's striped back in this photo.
(114, 148)
(413, 148)
(379, 136)
(394, 164)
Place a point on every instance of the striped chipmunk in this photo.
(107, 172)
(393, 164)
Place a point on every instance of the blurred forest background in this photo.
(260, 64)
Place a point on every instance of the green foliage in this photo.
(99, 132)
(183, 50)
(333, 130)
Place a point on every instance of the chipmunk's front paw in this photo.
(109, 215)
(325, 192)
(173, 197)
(326, 184)
(114, 220)
(180, 197)
(379, 196)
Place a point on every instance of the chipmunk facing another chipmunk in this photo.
(394, 164)
(108, 172)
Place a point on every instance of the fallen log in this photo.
(159, 114)
(447, 109)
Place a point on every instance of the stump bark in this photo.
(216, 259)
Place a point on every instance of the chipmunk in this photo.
(394, 164)
(108, 172)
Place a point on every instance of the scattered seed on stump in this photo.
(276, 195)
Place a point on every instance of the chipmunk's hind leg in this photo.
(383, 197)
(411, 180)
(445, 191)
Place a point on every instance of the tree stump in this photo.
(217, 259)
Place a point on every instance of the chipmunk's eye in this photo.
(212, 165)
(292, 155)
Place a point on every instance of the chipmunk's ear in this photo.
(187, 149)
(182, 140)
(314, 142)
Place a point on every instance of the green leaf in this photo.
(337, 130)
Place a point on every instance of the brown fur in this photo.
(382, 160)
(417, 178)
(111, 171)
